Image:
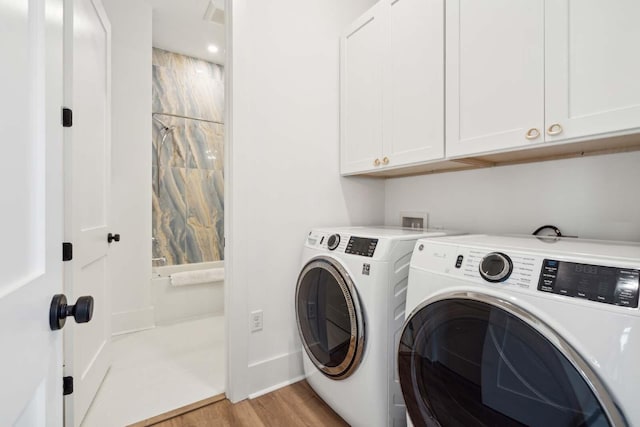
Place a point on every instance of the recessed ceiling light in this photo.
(212, 48)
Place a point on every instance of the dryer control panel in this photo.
(609, 285)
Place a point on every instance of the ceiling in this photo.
(180, 26)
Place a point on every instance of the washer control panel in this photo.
(609, 285)
(333, 241)
(343, 243)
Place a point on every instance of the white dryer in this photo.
(350, 301)
(512, 331)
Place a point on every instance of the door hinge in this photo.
(67, 386)
(67, 251)
(67, 117)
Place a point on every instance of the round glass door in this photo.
(475, 360)
(329, 318)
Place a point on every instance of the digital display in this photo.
(361, 246)
(609, 285)
(585, 268)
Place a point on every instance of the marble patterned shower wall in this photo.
(188, 173)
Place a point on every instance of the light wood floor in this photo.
(294, 405)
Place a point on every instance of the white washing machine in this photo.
(512, 331)
(350, 300)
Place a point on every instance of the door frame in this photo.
(236, 291)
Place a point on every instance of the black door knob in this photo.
(113, 237)
(82, 311)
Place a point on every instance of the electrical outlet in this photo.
(256, 321)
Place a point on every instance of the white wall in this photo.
(130, 215)
(285, 172)
(591, 197)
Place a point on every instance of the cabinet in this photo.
(361, 92)
(526, 72)
(495, 74)
(392, 86)
(592, 67)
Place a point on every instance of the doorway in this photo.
(172, 353)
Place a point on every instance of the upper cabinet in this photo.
(361, 92)
(495, 74)
(523, 80)
(525, 72)
(592, 67)
(392, 86)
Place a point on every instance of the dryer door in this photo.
(471, 359)
(329, 317)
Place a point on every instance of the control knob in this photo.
(496, 267)
(333, 242)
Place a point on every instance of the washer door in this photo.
(469, 359)
(329, 317)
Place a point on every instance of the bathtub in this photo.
(177, 303)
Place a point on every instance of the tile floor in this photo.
(158, 370)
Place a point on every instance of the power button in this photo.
(459, 261)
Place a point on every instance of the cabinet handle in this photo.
(385, 160)
(533, 133)
(376, 162)
(554, 129)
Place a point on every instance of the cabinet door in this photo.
(414, 81)
(361, 93)
(592, 67)
(495, 75)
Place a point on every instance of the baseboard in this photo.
(272, 374)
(125, 322)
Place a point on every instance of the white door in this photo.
(495, 75)
(592, 67)
(414, 82)
(87, 179)
(361, 93)
(31, 211)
